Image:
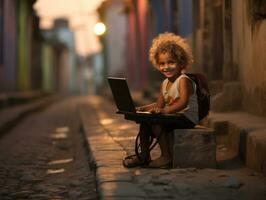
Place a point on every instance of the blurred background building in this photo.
(50, 45)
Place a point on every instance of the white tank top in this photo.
(191, 111)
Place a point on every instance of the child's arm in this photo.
(158, 106)
(185, 90)
(153, 106)
(160, 100)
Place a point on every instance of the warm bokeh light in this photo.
(99, 28)
(82, 16)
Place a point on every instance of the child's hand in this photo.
(156, 110)
(141, 108)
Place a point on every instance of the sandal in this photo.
(161, 165)
(133, 161)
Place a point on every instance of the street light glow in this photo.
(99, 28)
(82, 16)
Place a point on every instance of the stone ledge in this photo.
(243, 133)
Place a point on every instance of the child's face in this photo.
(168, 66)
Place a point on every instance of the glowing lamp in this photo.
(99, 28)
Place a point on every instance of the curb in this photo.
(112, 179)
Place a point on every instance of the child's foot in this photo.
(134, 161)
(161, 162)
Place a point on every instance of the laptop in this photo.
(122, 96)
(125, 103)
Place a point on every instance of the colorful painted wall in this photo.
(48, 68)
(9, 44)
(17, 40)
(23, 49)
(27, 63)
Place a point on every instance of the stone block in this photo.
(256, 148)
(194, 148)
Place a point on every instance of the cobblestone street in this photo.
(44, 157)
(76, 145)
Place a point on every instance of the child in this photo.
(171, 55)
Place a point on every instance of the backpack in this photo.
(203, 93)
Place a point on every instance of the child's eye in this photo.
(171, 62)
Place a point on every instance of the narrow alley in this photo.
(61, 136)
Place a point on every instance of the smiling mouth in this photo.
(167, 74)
(167, 71)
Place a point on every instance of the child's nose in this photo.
(165, 67)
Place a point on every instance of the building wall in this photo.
(240, 64)
(23, 64)
(66, 37)
(202, 38)
(197, 38)
(64, 73)
(21, 47)
(9, 34)
(26, 63)
(48, 69)
(131, 54)
(1, 35)
(160, 17)
(141, 11)
(126, 41)
(116, 39)
(185, 18)
(35, 56)
(249, 47)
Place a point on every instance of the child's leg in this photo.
(164, 144)
(144, 134)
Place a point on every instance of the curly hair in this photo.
(173, 44)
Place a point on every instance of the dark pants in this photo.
(147, 135)
(180, 122)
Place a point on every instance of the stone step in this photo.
(244, 134)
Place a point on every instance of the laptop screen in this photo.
(121, 94)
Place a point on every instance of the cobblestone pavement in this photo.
(43, 157)
(111, 138)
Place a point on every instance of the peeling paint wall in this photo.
(249, 47)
